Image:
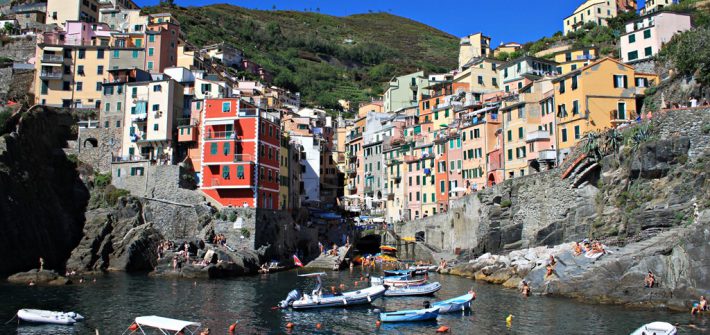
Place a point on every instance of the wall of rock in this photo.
(42, 199)
(623, 198)
(19, 49)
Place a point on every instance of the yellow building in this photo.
(375, 106)
(572, 59)
(481, 75)
(473, 46)
(596, 11)
(508, 48)
(61, 11)
(598, 96)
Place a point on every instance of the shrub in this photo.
(101, 180)
(112, 194)
(232, 216)
(245, 232)
(506, 203)
(689, 52)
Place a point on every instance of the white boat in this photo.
(656, 328)
(161, 325)
(427, 289)
(455, 304)
(50, 317)
(359, 297)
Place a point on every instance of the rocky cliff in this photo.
(42, 199)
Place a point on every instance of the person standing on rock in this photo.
(650, 280)
(41, 264)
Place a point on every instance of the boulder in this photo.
(38, 277)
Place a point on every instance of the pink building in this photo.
(78, 33)
(161, 45)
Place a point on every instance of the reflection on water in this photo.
(114, 300)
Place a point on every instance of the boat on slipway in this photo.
(48, 317)
(426, 289)
(410, 315)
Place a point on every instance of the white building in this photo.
(645, 36)
(652, 6)
(597, 11)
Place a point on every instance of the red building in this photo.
(240, 154)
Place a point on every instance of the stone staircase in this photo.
(328, 262)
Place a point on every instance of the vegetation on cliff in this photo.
(324, 57)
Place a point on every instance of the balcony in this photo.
(547, 155)
(392, 161)
(618, 118)
(52, 59)
(50, 75)
(538, 135)
(353, 136)
(140, 117)
(221, 135)
(351, 171)
(351, 187)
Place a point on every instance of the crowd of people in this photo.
(593, 248)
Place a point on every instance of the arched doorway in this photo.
(92, 142)
(491, 179)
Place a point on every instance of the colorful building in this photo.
(473, 46)
(652, 6)
(522, 71)
(481, 77)
(61, 11)
(241, 146)
(162, 35)
(594, 11)
(572, 59)
(404, 91)
(645, 36)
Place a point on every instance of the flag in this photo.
(297, 261)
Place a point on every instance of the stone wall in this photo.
(94, 146)
(19, 49)
(544, 209)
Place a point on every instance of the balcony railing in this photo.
(52, 59)
(239, 158)
(351, 171)
(547, 155)
(142, 117)
(538, 135)
(187, 122)
(221, 135)
(50, 75)
(351, 187)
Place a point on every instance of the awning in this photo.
(458, 189)
(52, 64)
(165, 323)
(53, 49)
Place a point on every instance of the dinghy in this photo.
(397, 282)
(398, 272)
(454, 304)
(657, 328)
(50, 317)
(411, 315)
(317, 299)
(421, 270)
(426, 289)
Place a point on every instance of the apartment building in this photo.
(522, 71)
(226, 54)
(61, 11)
(481, 76)
(652, 6)
(162, 35)
(190, 138)
(478, 126)
(645, 36)
(124, 20)
(595, 11)
(474, 46)
(241, 149)
(575, 58)
(599, 96)
(404, 91)
(149, 127)
(31, 16)
(111, 113)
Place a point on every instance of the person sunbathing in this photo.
(650, 279)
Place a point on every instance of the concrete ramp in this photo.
(328, 262)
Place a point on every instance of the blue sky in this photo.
(504, 21)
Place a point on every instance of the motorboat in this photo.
(165, 326)
(398, 272)
(657, 328)
(397, 281)
(410, 315)
(456, 304)
(420, 270)
(49, 317)
(317, 299)
(426, 289)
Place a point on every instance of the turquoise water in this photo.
(111, 303)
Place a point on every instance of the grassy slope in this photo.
(306, 50)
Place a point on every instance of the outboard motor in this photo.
(291, 297)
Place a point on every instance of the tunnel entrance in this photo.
(369, 244)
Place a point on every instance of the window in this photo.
(156, 107)
(510, 154)
(151, 38)
(118, 124)
(157, 88)
(562, 86)
(80, 70)
(577, 133)
(226, 148)
(564, 134)
(521, 112)
(633, 55)
(213, 148)
(641, 82)
(82, 53)
(480, 80)
(620, 81)
(442, 186)
(79, 86)
(98, 86)
(632, 38)
(510, 135)
(226, 106)
(116, 54)
(647, 34)
(520, 132)
(100, 69)
(66, 86)
(495, 81)
(150, 51)
(574, 82)
(108, 109)
(135, 54)
(575, 107)
(100, 54)
(150, 65)
(648, 51)
(225, 171)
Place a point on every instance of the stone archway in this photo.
(533, 166)
(91, 141)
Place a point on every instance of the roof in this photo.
(580, 70)
(522, 58)
(160, 322)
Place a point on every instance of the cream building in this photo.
(61, 11)
(645, 36)
(481, 75)
(473, 46)
(652, 6)
(124, 20)
(597, 11)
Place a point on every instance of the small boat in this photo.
(388, 249)
(426, 289)
(398, 272)
(420, 270)
(657, 328)
(49, 317)
(397, 282)
(454, 304)
(161, 325)
(411, 315)
(297, 300)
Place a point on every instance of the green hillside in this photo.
(324, 57)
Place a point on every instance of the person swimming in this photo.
(525, 290)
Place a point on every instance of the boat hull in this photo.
(360, 297)
(411, 315)
(457, 304)
(48, 317)
(427, 289)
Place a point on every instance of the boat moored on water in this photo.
(398, 272)
(426, 289)
(48, 317)
(157, 324)
(420, 270)
(397, 282)
(410, 315)
(317, 299)
(456, 304)
(657, 328)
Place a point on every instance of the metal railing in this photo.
(52, 58)
(51, 75)
(238, 158)
(221, 135)
(547, 155)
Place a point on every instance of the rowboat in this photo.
(426, 289)
(410, 315)
(454, 304)
(658, 328)
(159, 325)
(50, 317)
(317, 299)
(397, 282)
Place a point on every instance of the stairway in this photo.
(327, 262)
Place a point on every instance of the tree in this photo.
(689, 52)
